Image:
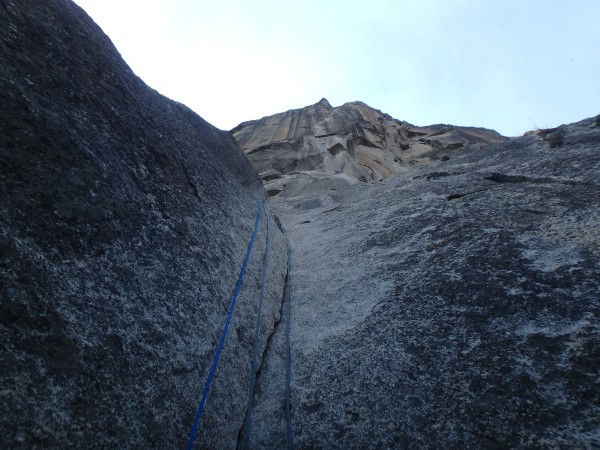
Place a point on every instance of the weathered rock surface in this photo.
(453, 306)
(124, 221)
(354, 139)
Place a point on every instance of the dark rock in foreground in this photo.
(454, 306)
(124, 221)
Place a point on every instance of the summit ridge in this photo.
(353, 139)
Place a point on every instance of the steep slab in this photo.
(124, 220)
(455, 306)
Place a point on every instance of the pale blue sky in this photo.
(510, 65)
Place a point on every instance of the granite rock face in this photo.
(453, 306)
(124, 221)
(451, 302)
(353, 139)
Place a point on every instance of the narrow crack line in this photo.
(257, 378)
(455, 196)
(276, 325)
(240, 436)
(503, 178)
(336, 208)
(332, 209)
(436, 175)
(532, 211)
(191, 184)
(269, 343)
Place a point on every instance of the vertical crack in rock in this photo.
(263, 358)
(191, 183)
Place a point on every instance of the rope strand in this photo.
(240, 280)
(248, 430)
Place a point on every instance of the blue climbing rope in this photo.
(248, 431)
(240, 280)
(288, 346)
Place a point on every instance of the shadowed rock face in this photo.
(453, 306)
(353, 139)
(123, 224)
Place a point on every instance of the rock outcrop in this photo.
(124, 221)
(450, 302)
(453, 306)
(354, 139)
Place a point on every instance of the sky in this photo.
(508, 65)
